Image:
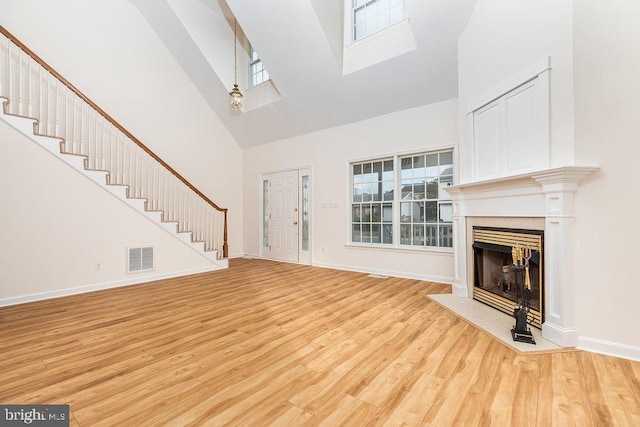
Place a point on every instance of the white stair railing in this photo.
(37, 91)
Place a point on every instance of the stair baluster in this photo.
(33, 89)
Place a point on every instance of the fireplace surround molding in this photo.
(543, 198)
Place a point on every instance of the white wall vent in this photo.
(140, 259)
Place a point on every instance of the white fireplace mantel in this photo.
(547, 194)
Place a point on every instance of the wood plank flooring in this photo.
(267, 343)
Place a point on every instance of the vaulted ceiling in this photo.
(300, 43)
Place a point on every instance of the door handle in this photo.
(295, 222)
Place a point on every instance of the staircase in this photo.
(50, 111)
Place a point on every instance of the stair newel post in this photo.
(114, 157)
(225, 246)
(47, 81)
(184, 202)
(97, 137)
(119, 160)
(2, 69)
(19, 81)
(169, 199)
(141, 174)
(109, 158)
(65, 118)
(104, 144)
(77, 128)
(80, 140)
(162, 192)
(9, 69)
(133, 172)
(91, 139)
(173, 200)
(195, 213)
(44, 116)
(213, 233)
(156, 187)
(180, 208)
(161, 205)
(137, 171)
(145, 181)
(71, 132)
(30, 104)
(148, 180)
(56, 113)
(124, 168)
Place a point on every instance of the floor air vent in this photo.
(378, 276)
(140, 259)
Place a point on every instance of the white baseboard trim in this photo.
(460, 290)
(22, 299)
(250, 256)
(403, 274)
(564, 337)
(609, 348)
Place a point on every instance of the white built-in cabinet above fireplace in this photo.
(508, 127)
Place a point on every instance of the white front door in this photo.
(283, 229)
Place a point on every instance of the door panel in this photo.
(284, 216)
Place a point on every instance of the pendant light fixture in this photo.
(235, 96)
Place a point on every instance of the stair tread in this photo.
(28, 126)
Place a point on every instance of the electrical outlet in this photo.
(98, 266)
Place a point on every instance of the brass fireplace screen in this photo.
(492, 285)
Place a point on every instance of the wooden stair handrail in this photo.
(121, 128)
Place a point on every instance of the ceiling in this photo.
(300, 43)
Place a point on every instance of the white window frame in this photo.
(375, 17)
(397, 201)
(254, 63)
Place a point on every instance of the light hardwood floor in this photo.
(267, 343)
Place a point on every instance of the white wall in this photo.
(56, 224)
(109, 52)
(328, 152)
(607, 66)
(504, 37)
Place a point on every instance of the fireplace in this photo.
(498, 285)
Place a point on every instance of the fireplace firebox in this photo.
(500, 287)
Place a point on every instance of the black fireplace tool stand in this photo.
(521, 331)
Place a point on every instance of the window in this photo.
(306, 201)
(426, 212)
(265, 213)
(403, 196)
(370, 16)
(372, 207)
(257, 73)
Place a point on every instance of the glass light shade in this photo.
(235, 97)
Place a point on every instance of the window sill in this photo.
(402, 248)
(377, 47)
(261, 95)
